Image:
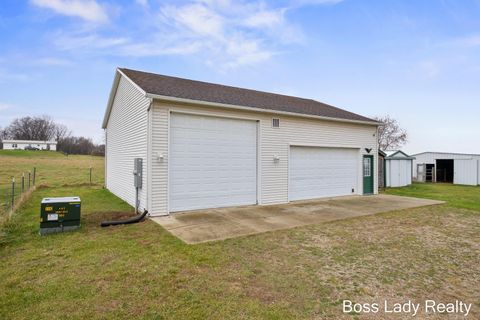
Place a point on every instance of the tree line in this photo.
(43, 128)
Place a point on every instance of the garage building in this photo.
(457, 168)
(206, 145)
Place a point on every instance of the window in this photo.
(367, 167)
(276, 123)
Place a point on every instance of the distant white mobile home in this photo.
(457, 168)
(29, 144)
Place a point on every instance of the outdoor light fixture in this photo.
(159, 156)
(276, 158)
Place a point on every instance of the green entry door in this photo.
(368, 175)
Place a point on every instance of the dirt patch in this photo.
(85, 184)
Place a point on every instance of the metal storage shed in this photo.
(398, 169)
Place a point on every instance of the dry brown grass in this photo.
(53, 168)
(303, 273)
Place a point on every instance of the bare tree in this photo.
(32, 128)
(79, 145)
(44, 128)
(390, 135)
(98, 150)
(61, 132)
(3, 134)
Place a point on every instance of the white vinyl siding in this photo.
(213, 162)
(323, 172)
(159, 167)
(272, 142)
(126, 139)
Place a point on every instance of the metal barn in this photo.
(456, 168)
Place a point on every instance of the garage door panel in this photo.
(465, 172)
(213, 162)
(322, 172)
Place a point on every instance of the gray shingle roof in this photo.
(157, 84)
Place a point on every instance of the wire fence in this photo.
(13, 190)
(16, 188)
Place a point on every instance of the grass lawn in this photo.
(141, 271)
(467, 197)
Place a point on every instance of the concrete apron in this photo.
(224, 223)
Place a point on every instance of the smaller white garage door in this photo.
(322, 172)
(213, 162)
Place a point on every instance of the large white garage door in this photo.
(213, 162)
(322, 172)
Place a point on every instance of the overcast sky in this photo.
(418, 61)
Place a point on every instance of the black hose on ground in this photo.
(135, 219)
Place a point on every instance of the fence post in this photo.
(6, 200)
(34, 174)
(23, 182)
(29, 176)
(13, 192)
(90, 175)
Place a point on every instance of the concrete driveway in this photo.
(223, 223)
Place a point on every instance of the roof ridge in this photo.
(227, 86)
(199, 90)
(443, 152)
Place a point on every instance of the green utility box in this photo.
(59, 214)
